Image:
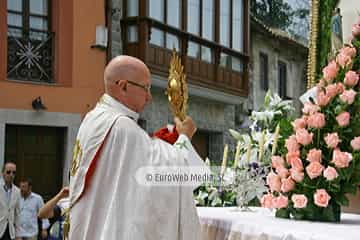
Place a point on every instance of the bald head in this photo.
(123, 78)
(124, 68)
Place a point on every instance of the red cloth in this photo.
(166, 135)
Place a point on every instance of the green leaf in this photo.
(350, 188)
(342, 200)
(216, 202)
(282, 213)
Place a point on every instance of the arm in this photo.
(47, 211)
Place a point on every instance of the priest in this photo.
(107, 201)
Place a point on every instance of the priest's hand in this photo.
(186, 127)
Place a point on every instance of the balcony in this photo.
(30, 55)
(225, 70)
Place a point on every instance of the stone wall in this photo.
(295, 59)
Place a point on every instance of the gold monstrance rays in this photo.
(177, 88)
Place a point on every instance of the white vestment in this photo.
(113, 205)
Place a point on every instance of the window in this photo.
(231, 31)
(168, 12)
(225, 23)
(264, 72)
(200, 22)
(29, 40)
(282, 79)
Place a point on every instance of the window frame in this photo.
(25, 13)
(164, 20)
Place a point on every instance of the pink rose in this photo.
(330, 71)
(332, 140)
(340, 88)
(355, 30)
(298, 176)
(296, 163)
(350, 51)
(310, 108)
(291, 144)
(321, 198)
(266, 200)
(282, 172)
(304, 137)
(287, 184)
(299, 123)
(274, 182)
(341, 159)
(331, 90)
(277, 161)
(299, 200)
(351, 78)
(330, 173)
(316, 120)
(343, 59)
(343, 119)
(314, 155)
(322, 99)
(280, 202)
(290, 156)
(348, 96)
(314, 169)
(355, 143)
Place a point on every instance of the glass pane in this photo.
(15, 32)
(193, 50)
(157, 37)
(39, 7)
(225, 23)
(206, 54)
(174, 13)
(236, 64)
(15, 5)
(38, 23)
(208, 19)
(41, 36)
(156, 8)
(14, 19)
(193, 17)
(172, 42)
(225, 60)
(132, 34)
(132, 8)
(237, 21)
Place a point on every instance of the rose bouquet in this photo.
(321, 163)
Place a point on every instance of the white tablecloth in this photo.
(260, 224)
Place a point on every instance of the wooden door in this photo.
(38, 153)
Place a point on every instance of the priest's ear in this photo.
(122, 84)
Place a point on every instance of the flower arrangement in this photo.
(244, 181)
(321, 163)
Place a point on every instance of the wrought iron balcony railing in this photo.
(30, 55)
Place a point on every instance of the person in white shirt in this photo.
(106, 200)
(30, 204)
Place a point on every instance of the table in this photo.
(260, 224)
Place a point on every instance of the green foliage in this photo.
(326, 8)
(275, 13)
